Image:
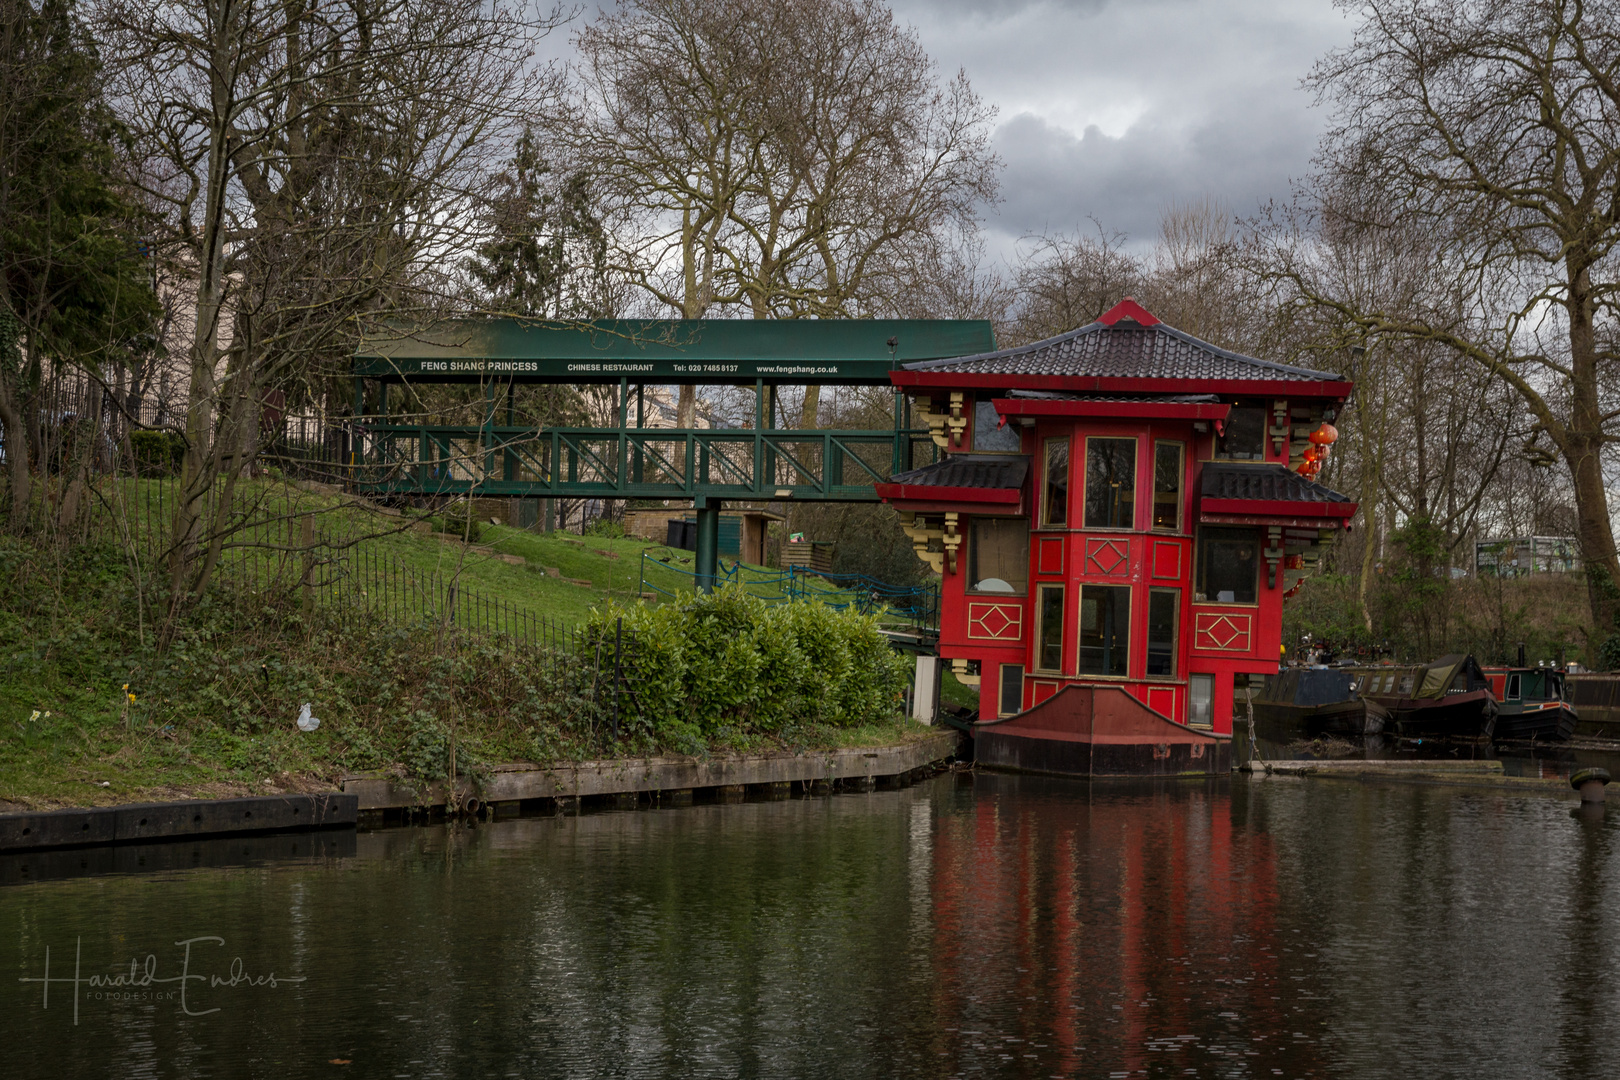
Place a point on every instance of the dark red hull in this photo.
(1099, 731)
(1469, 715)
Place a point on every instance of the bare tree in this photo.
(309, 159)
(1491, 130)
(790, 158)
(1064, 282)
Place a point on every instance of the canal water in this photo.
(974, 925)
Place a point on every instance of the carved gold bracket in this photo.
(916, 528)
(922, 409)
(1279, 427)
(956, 422)
(1273, 553)
(952, 539)
(959, 668)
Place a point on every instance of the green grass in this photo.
(213, 716)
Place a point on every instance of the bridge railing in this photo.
(577, 462)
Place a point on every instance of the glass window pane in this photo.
(989, 435)
(1049, 643)
(1105, 629)
(998, 555)
(1012, 689)
(1167, 473)
(1110, 483)
(1243, 436)
(1055, 504)
(1163, 605)
(1228, 565)
(1201, 700)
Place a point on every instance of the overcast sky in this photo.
(1114, 108)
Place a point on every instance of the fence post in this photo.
(306, 540)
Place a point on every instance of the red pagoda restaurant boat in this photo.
(1119, 516)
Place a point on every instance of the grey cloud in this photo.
(1055, 180)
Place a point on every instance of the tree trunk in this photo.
(19, 480)
(810, 411)
(199, 465)
(1582, 445)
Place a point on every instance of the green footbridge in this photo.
(632, 458)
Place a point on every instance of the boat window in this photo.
(1200, 700)
(1049, 629)
(1055, 501)
(1012, 689)
(1110, 483)
(1105, 627)
(1163, 609)
(990, 436)
(1243, 436)
(998, 555)
(1167, 473)
(1228, 566)
(1407, 682)
(1389, 683)
(1512, 688)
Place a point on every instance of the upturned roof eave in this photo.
(1337, 389)
(1278, 507)
(1108, 409)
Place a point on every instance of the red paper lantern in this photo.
(1311, 453)
(1325, 436)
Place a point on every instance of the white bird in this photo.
(307, 722)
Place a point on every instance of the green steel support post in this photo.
(762, 480)
(707, 559)
(355, 445)
(770, 455)
(908, 459)
(509, 462)
(382, 411)
(489, 428)
(621, 468)
(641, 421)
(895, 458)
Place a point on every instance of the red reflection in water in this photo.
(1082, 931)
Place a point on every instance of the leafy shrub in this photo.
(605, 528)
(729, 663)
(157, 453)
(458, 521)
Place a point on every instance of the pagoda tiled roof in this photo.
(1263, 481)
(1123, 348)
(999, 471)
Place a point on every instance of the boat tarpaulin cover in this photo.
(1309, 686)
(1438, 676)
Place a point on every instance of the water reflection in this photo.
(983, 926)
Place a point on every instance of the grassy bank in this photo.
(214, 713)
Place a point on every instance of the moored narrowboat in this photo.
(1531, 704)
(1449, 698)
(1316, 701)
(1595, 696)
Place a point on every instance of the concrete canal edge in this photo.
(139, 822)
(366, 798)
(1466, 773)
(666, 779)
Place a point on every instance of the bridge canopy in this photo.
(667, 351)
